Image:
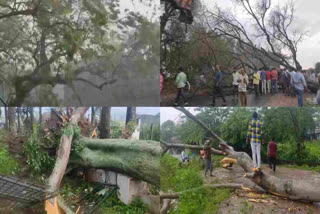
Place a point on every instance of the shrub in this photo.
(8, 165)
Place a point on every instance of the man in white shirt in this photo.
(299, 84)
(235, 83)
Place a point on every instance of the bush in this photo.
(39, 161)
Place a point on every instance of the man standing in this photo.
(217, 86)
(207, 158)
(272, 154)
(263, 77)
(181, 81)
(299, 84)
(243, 82)
(268, 78)
(235, 83)
(254, 137)
(274, 81)
(256, 80)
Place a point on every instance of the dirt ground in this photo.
(244, 202)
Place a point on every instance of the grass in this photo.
(176, 179)
(8, 164)
(303, 167)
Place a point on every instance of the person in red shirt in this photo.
(268, 78)
(272, 154)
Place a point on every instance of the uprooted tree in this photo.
(294, 189)
(137, 158)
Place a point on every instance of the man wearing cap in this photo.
(207, 158)
(254, 137)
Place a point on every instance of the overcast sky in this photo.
(307, 18)
(169, 113)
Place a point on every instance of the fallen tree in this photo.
(294, 189)
(137, 158)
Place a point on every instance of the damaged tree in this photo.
(306, 190)
(137, 158)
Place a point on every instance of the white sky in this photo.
(307, 18)
(169, 113)
(143, 8)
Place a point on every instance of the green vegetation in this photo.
(114, 206)
(175, 178)
(38, 160)
(8, 164)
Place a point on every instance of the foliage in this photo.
(148, 132)
(168, 130)
(175, 178)
(37, 159)
(114, 206)
(115, 129)
(8, 164)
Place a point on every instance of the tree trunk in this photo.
(307, 189)
(104, 126)
(31, 118)
(131, 114)
(18, 119)
(6, 125)
(136, 158)
(12, 119)
(63, 152)
(93, 114)
(40, 116)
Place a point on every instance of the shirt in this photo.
(272, 149)
(243, 82)
(207, 153)
(274, 75)
(235, 79)
(256, 78)
(268, 75)
(313, 77)
(181, 80)
(254, 131)
(218, 78)
(299, 81)
(263, 75)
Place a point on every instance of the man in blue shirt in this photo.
(217, 86)
(263, 78)
(299, 84)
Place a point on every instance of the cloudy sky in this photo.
(169, 113)
(307, 18)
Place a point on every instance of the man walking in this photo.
(181, 81)
(254, 138)
(207, 158)
(299, 84)
(272, 154)
(217, 86)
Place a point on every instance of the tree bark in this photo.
(104, 126)
(307, 189)
(31, 118)
(12, 119)
(131, 114)
(63, 152)
(40, 116)
(137, 158)
(6, 125)
(93, 114)
(18, 119)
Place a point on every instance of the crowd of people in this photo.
(264, 81)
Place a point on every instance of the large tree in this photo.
(271, 34)
(50, 43)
